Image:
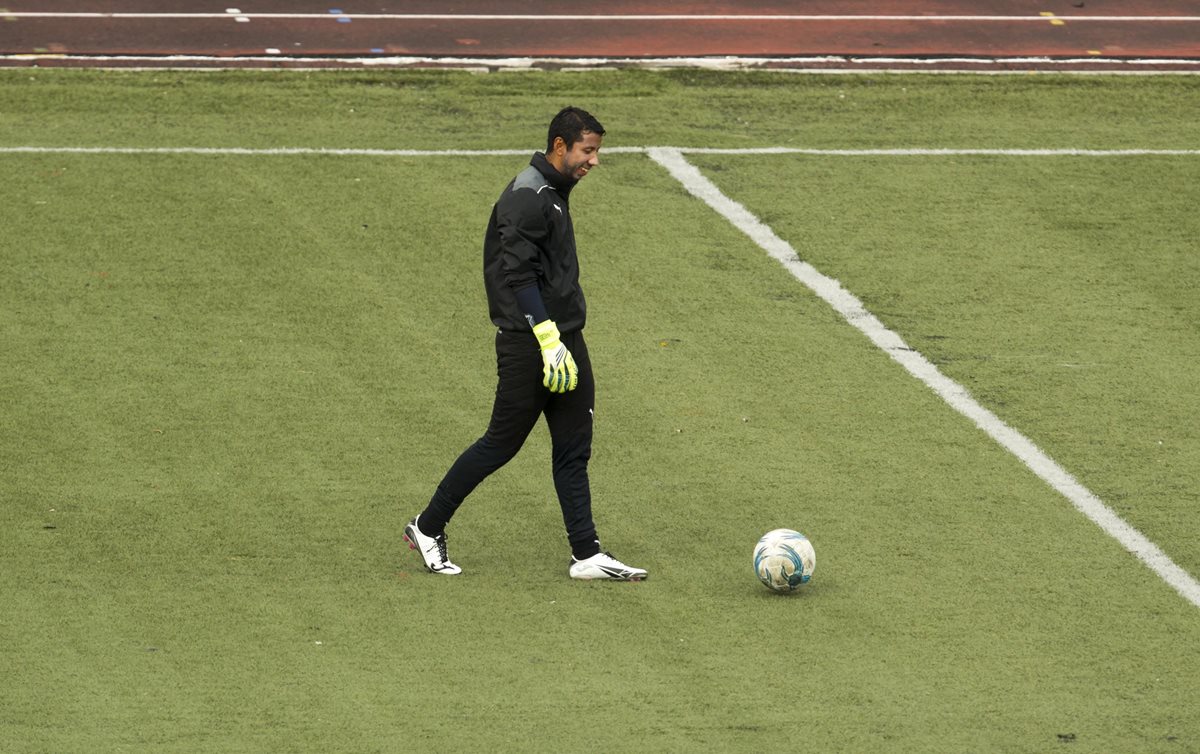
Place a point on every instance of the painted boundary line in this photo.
(274, 59)
(652, 151)
(853, 311)
(830, 291)
(931, 152)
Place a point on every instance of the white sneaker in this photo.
(604, 566)
(433, 549)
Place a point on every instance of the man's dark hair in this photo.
(571, 123)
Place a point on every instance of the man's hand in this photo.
(559, 372)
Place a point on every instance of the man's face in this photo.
(580, 158)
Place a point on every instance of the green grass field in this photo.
(229, 379)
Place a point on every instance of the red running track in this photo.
(1057, 34)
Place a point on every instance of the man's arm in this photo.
(523, 228)
(523, 232)
(529, 299)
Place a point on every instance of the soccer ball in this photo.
(784, 559)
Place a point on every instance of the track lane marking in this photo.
(597, 17)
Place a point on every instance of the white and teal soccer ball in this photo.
(784, 559)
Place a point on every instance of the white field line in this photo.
(525, 17)
(847, 305)
(935, 152)
(281, 151)
(318, 151)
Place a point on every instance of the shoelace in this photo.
(440, 541)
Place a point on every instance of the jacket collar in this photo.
(559, 182)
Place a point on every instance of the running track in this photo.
(983, 35)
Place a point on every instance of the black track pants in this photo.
(520, 400)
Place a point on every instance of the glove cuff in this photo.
(547, 334)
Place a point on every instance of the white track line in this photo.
(847, 305)
(319, 151)
(524, 17)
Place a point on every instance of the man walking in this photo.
(531, 274)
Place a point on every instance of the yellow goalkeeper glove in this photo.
(559, 372)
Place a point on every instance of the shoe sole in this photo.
(635, 577)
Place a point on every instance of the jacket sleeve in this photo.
(523, 233)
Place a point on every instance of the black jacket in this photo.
(530, 241)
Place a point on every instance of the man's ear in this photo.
(560, 146)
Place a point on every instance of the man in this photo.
(531, 274)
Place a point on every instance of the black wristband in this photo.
(530, 301)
